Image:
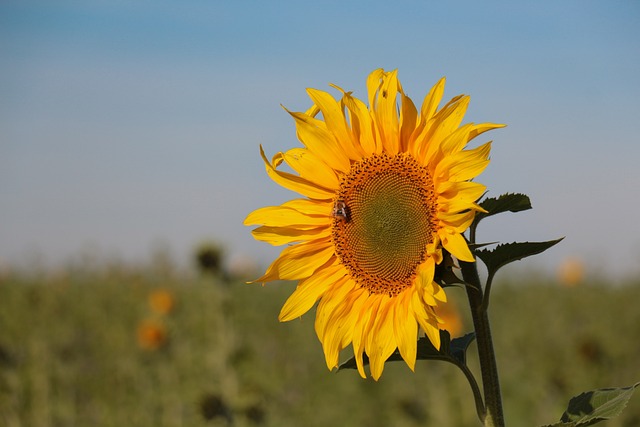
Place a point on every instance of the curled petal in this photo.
(314, 135)
(311, 168)
(293, 182)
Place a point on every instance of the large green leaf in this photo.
(509, 202)
(506, 253)
(591, 407)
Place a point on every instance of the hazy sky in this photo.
(124, 124)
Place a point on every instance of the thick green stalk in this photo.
(493, 416)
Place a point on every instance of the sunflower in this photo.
(387, 188)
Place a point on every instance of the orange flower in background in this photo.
(452, 321)
(152, 334)
(385, 188)
(571, 272)
(161, 301)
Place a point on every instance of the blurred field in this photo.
(99, 346)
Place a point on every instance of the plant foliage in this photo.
(591, 407)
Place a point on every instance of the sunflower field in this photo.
(110, 344)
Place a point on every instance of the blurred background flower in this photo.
(571, 271)
(152, 334)
(449, 312)
(208, 258)
(161, 301)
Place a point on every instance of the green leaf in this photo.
(591, 407)
(509, 202)
(453, 351)
(561, 424)
(507, 253)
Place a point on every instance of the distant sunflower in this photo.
(161, 301)
(385, 188)
(152, 334)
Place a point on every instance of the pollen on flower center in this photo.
(385, 215)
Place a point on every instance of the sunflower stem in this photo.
(493, 415)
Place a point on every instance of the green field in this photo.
(70, 355)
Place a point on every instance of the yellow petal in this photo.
(283, 216)
(408, 120)
(352, 120)
(456, 141)
(445, 122)
(463, 165)
(335, 121)
(362, 125)
(482, 128)
(315, 136)
(374, 81)
(386, 112)
(381, 343)
(362, 328)
(293, 182)
(456, 245)
(432, 331)
(426, 272)
(299, 261)
(458, 222)
(310, 207)
(286, 235)
(438, 292)
(425, 317)
(469, 191)
(311, 112)
(459, 139)
(311, 168)
(309, 291)
(339, 330)
(459, 196)
(335, 295)
(405, 329)
(432, 100)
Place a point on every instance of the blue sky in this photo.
(124, 124)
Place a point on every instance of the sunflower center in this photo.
(384, 217)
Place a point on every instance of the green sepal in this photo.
(451, 350)
(459, 346)
(444, 274)
(591, 407)
(507, 253)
